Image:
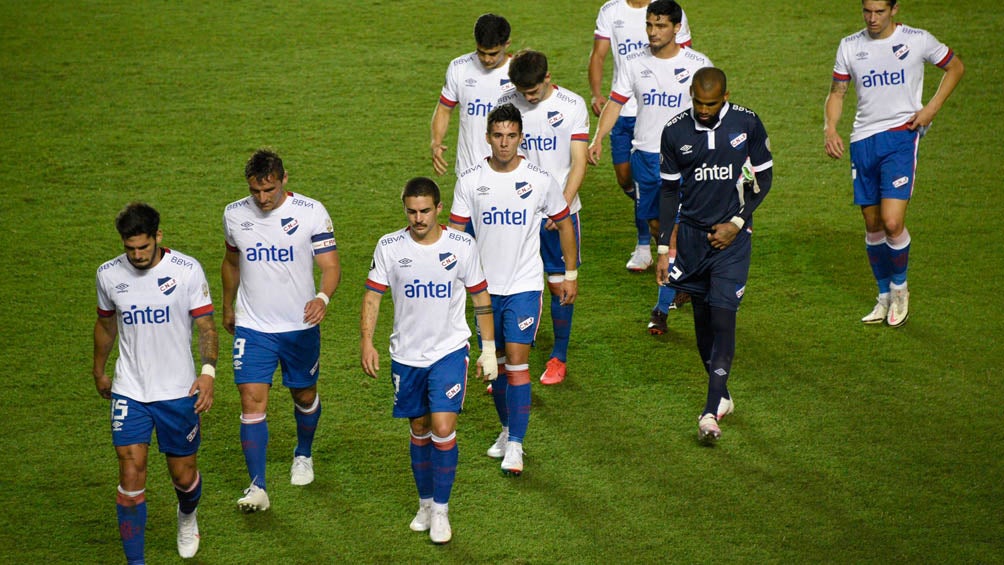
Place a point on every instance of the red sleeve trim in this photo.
(447, 102)
(619, 98)
(580, 137)
(105, 313)
(206, 310)
(459, 219)
(560, 215)
(948, 58)
(231, 248)
(478, 288)
(841, 77)
(376, 287)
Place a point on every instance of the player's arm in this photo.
(669, 205)
(440, 123)
(209, 351)
(832, 110)
(953, 74)
(331, 274)
(488, 367)
(105, 331)
(230, 272)
(369, 358)
(608, 117)
(570, 251)
(580, 156)
(601, 48)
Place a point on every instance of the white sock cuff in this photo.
(132, 493)
(523, 367)
(252, 418)
(875, 238)
(437, 439)
(312, 408)
(426, 435)
(191, 487)
(900, 241)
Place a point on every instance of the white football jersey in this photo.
(550, 127)
(154, 309)
(661, 87)
(888, 76)
(624, 27)
(277, 250)
(506, 209)
(473, 91)
(429, 285)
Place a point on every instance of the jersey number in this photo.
(120, 409)
(239, 348)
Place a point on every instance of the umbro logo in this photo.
(687, 149)
(471, 82)
(247, 226)
(483, 189)
(861, 55)
(122, 287)
(406, 262)
(647, 74)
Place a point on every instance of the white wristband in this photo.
(488, 347)
(739, 222)
(571, 275)
(208, 369)
(324, 298)
(662, 249)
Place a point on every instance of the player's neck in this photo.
(430, 237)
(636, 4)
(504, 166)
(667, 51)
(884, 34)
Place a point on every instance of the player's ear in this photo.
(726, 97)
(159, 237)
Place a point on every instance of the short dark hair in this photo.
(666, 8)
(137, 218)
(491, 31)
(264, 163)
(892, 3)
(528, 68)
(505, 113)
(710, 77)
(421, 186)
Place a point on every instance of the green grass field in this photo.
(849, 444)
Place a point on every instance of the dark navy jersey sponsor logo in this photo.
(289, 225)
(524, 189)
(505, 217)
(428, 289)
(448, 261)
(901, 51)
(479, 108)
(269, 254)
(713, 172)
(136, 316)
(166, 285)
(555, 119)
(885, 78)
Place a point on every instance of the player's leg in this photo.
(410, 385)
(898, 169)
(300, 362)
(500, 387)
(255, 358)
(522, 319)
(132, 428)
(561, 314)
(645, 172)
(866, 175)
(179, 435)
(446, 391)
(620, 153)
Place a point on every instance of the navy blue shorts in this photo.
(700, 269)
(517, 317)
(645, 172)
(440, 387)
(256, 355)
(620, 139)
(178, 426)
(884, 166)
(550, 246)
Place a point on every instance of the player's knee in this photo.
(304, 397)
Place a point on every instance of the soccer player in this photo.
(555, 135)
(274, 238)
(427, 267)
(505, 197)
(474, 82)
(620, 28)
(658, 78)
(149, 297)
(886, 62)
(716, 169)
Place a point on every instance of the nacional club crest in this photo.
(901, 51)
(681, 75)
(523, 189)
(736, 140)
(166, 285)
(448, 260)
(289, 225)
(554, 119)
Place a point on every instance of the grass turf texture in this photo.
(849, 444)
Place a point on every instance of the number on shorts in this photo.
(120, 409)
(239, 348)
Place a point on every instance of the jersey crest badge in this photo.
(289, 225)
(166, 285)
(448, 261)
(901, 51)
(554, 119)
(524, 189)
(737, 140)
(681, 75)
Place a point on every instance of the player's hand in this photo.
(104, 386)
(921, 120)
(369, 359)
(204, 386)
(438, 163)
(597, 103)
(549, 225)
(314, 311)
(488, 364)
(662, 269)
(723, 235)
(229, 319)
(834, 144)
(569, 290)
(595, 151)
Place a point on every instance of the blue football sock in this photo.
(421, 464)
(881, 263)
(131, 511)
(666, 296)
(518, 399)
(444, 467)
(899, 257)
(723, 323)
(644, 234)
(254, 442)
(306, 425)
(500, 388)
(561, 321)
(188, 500)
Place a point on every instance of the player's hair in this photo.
(892, 3)
(710, 78)
(264, 163)
(491, 31)
(421, 186)
(137, 218)
(528, 68)
(666, 8)
(505, 113)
